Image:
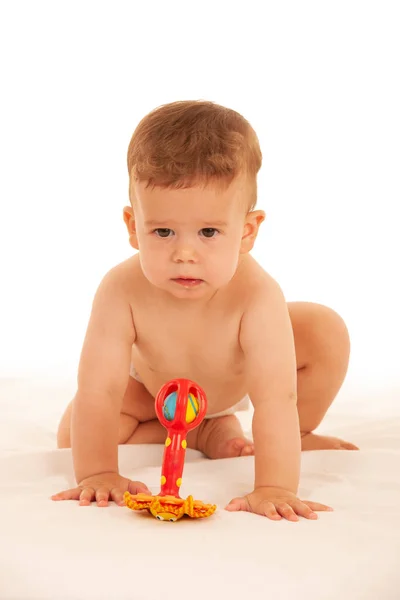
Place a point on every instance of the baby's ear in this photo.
(130, 223)
(251, 226)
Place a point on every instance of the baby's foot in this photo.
(223, 437)
(312, 441)
(238, 446)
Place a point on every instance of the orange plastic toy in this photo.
(181, 406)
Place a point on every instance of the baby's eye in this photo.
(209, 232)
(163, 232)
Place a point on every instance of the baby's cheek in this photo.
(151, 266)
(222, 270)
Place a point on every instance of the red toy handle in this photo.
(177, 428)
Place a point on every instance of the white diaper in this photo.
(240, 406)
(133, 373)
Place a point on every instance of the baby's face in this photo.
(190, 239)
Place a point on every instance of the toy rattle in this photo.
(180, 406)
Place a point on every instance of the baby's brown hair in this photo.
(192, 142)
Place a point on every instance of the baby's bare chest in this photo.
(201, 347)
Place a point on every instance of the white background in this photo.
(319, 81)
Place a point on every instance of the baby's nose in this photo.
(185, 254)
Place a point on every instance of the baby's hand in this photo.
(276, 503)
(101, 488)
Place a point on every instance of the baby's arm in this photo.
(266, 337)
(102, 380)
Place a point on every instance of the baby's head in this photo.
(192, 186)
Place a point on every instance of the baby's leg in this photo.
(322, 352)
(137, 410)
(220, 437)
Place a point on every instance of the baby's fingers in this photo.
(86, 496)
(72, 494)
(137, 487)
(118, 496)
(102, 495)
(316, 505)
(284, 509)
(303, 510)
(269, 510)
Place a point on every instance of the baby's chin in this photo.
(201, 291)
(178, 288)
(183, 288)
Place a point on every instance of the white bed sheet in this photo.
(63, 551)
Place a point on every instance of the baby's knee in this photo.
(330, 322)
(63, 438)
(336, 336)
(64, 429)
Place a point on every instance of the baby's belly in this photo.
(223, 389)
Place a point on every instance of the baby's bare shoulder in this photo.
(255, 283)
(125, 276)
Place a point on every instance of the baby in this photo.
(193, 303)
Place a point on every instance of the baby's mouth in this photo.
(187, 281)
